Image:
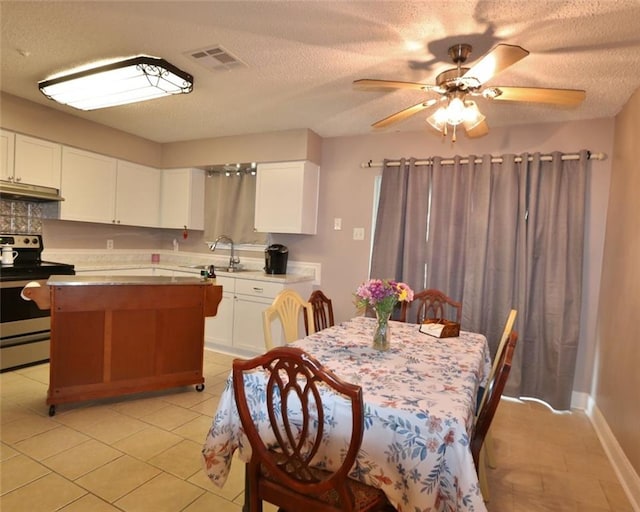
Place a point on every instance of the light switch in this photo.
(358, 233)
(337, 224)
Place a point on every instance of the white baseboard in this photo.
(579, 400)
(629, 479)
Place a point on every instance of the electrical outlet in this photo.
(109, 244)
(358, 233)
(337, 224)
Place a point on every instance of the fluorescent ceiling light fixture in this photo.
(137, 79)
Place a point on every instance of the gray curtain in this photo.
(550, 293)
(401, 223)
(229, 208)
(500, 236)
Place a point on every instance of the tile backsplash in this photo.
(18, 216)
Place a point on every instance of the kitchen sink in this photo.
(218, 268)
(235, 270)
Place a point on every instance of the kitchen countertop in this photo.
(251, 274)
(189, 263)
(80, 280)
(258, 275)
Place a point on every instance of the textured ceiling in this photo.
(302, 57)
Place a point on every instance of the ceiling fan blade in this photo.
(569, 97)
(383, 85)
(480, 129)
(403, 114)
(498, 59)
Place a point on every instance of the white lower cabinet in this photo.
(218, 329)
(237, 328)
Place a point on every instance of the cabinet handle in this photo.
(258, 290)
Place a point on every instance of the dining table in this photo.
(419, 401)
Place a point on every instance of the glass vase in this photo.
(381, 333)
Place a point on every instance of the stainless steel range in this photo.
(24, 328)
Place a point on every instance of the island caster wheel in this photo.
(199, 388)
(52, 410)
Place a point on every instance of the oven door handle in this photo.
(39, 294)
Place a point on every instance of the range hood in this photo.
(25, 192)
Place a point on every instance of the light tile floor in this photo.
(142, 454)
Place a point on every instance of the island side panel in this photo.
(108, 340)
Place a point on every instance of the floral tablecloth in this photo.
(419, 407)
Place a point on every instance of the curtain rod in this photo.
(494, 160)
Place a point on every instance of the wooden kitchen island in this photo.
(113, 335)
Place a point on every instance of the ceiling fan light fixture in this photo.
(438, 119)
(132, 80)
(455, 111)
(472, 115)
(462, 112)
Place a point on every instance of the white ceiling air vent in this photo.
(215, 58)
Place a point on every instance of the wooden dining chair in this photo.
(487, 454)
(322, 311)
(432, 304)
(495, 388)
(287, 307)
(280, 470)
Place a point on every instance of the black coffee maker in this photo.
(275, 259)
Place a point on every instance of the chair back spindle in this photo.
(285, 442)
(322, 311)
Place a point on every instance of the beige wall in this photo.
(30, 118)
(617, 379)
(260, 147)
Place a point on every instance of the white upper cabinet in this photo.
(88, 186)
(99, 188)
(182, 199)
(7, 147)
(29, 160)
(137, 195)
(287, 197)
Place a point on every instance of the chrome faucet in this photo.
(234, 261)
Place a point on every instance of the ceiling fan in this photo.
(458, 87)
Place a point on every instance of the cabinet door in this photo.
(287, 197)
(37, 162)
(247, 323)
(182, 199)
(137, 195)
(218, 330)
(7, 145)
(88, 186)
